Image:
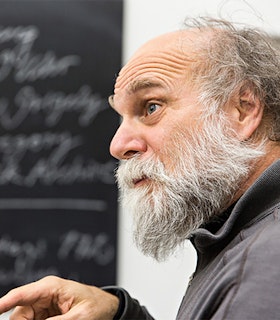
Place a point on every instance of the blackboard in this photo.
(58, 198)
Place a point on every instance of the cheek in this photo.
(166, 148)
(160, 139)
(167, 139)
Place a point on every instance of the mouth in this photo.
(140, 181)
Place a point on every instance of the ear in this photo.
(248, 113)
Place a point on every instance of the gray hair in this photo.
(234, 59)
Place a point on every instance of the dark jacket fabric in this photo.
(238, 268)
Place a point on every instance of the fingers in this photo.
(81, 312)
(27, 313)
(54, 298)
(42, 290)
(13, 298)
(97, 306)
(22, 313)
(74, 314)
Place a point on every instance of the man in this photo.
(199, 149)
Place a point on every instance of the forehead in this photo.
(159, 62)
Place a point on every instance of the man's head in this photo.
(198, 108)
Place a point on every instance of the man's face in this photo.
(177, 170)
(153, 98)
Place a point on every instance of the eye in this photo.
(152, 108)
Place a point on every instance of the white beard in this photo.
(208, 167)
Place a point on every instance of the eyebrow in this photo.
(140, 84)
(137, 85)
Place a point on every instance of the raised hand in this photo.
(53, 298)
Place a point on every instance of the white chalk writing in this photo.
(52, 166)
(16, 146)
(28, 66)
(86, 247)
(24, 257)
(53, 105)
(56, 156)
(18, 34)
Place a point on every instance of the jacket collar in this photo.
(261, 196)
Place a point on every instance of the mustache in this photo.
(133, 170)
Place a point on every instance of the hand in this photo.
(53, 298)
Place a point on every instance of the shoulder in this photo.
(265, 240)
(257, 287)
(260, 257)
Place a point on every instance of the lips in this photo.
(139, 181)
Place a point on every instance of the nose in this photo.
(127, 142)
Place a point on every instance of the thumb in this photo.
(83, 311)
(73, 314)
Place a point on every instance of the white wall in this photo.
(160, 286)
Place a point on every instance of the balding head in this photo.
(169, 55)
